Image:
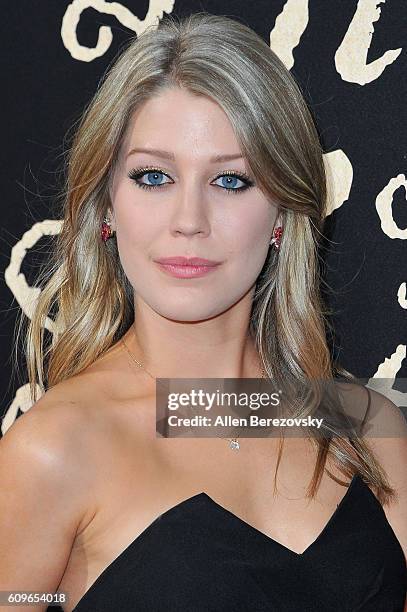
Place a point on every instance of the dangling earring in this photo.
(106, 231)
(276, 240)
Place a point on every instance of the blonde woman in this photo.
(197, 144)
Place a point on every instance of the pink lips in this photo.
(187, 267)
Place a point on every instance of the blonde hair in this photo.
(218, 57)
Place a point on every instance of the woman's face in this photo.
(189, 211)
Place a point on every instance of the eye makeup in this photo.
(137, 173)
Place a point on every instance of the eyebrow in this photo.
(171, 156)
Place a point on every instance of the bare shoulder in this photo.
(70, 410)
(53, 462)
(54, 435)
(44, 472)
(53, 422)
(78, 417)
(386, 436)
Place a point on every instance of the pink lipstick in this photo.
(187, 267)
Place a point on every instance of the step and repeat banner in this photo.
(349, 58)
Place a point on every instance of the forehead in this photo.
(177, 120)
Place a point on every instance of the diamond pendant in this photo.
(234, 444)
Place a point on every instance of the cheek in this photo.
(134, 233)
(250, 235)
(137, 222)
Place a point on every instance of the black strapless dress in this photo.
(200, 557)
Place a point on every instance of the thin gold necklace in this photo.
(234, 443)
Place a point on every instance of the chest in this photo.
(137, 485)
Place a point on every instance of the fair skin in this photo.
(89, 445)
(203, 320)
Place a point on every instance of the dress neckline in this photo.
(239, 522)
(260, 534)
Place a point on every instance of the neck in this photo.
(220, 347)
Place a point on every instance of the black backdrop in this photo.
(349, 58)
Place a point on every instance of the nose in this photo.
(190, 215)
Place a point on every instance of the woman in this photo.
(197, 144)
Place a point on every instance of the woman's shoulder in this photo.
(53, 419)
(386, 437)
(92, 409)
(63, 412)
(90, 393)
(72, 426)
(64, 420)
(49, 445)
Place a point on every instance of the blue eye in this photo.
(154, 176)
(151, 175)
(229, 181)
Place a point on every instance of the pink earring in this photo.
(276, 240)
(106, 231)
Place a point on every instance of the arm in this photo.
(42, 501)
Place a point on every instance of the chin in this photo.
(191, 306)
(189, 311)
(189, 315)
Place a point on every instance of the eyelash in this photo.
(137, 173)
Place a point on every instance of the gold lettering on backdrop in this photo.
(339, 173)
(402, 295)
(351, 56)
(384, 202)
(290, 25)
(26, 295)
(75, 9)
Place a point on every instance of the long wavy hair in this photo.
(221, 58)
